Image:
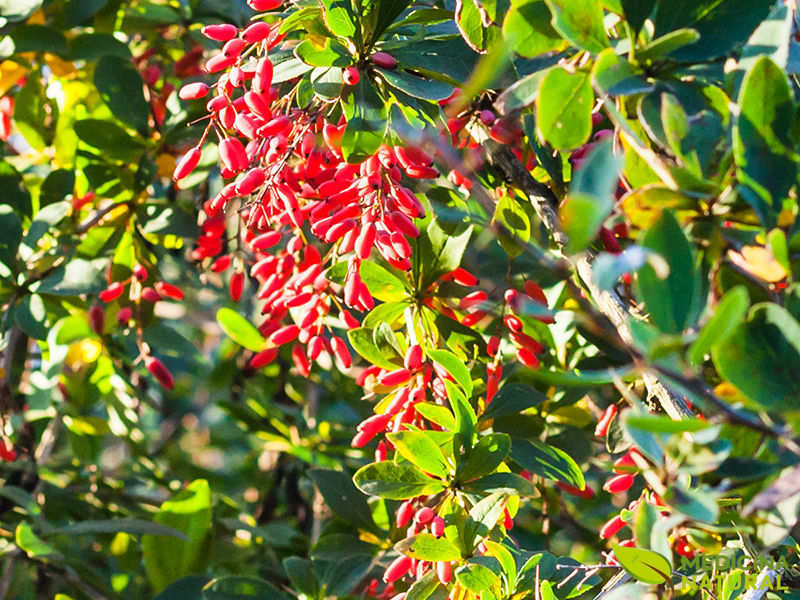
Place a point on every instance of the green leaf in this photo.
(547, 461)
(564, 118)
(382, 283)
(241, 588)
(669, 300)
(762, 145)
(366, 121)
(440, 251)
(449, 60)
(92, 46)
(591, 197)
(521, 94)
(426, 546)
(120, 87)
(503, 483)
(362, 341)
(135, 526)
(77, 277)
(645, 565)
(617, 76)
(466, 419)
(10, 235)
(636, 12)
(727, 315)
(484, 516)
(344, 499)
(332, 54)
(664, 424)
(477, 578)
(676, 127)
(762, 357)
(187, 587)
(771, 38)
(417, 87)
(168, 559)
(582, 377)
(301, 575)
(722, 24)
(441, 415)
(513, 398)
(109, 137)
(423, 588)
(30, 543)
(240, 330)
(666, 44)
(580, 22)
(339, 17)
(31, 114)
(485, 456)
(527, 29)
(327, 82)
(455, 367)
(38, 38)
(515, 230)
(395, 482)
(419, 449)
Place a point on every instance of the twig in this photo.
(98, 215)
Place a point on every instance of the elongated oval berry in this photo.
(263, 358)
(437, 526)
(97, 317)
(237, 286)
(383, 60)
(513, 323)
(140, 272)
(413, 357)
(256, 32)
(233, 154)
(399, 567)
(527, 358)
(444, 571)
(341, 351)
(586, 492)
(193, 91)
(619, 483)
(150, 295)
(167, 289)
(396, 377)
(263, 77)
(611, 527)
(284, 335)
(220, 33)
(112, 292)
(218, 63)
(424, 515)
(605, 421)
(124, 315)
(159, 370)
(264, 5)
(187, 163)
(381, 452)
(233, 47)
(266, 240)
(405, 513)
(351, 76)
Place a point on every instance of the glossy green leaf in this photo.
(666, 44)
(503, 483)
(362, 341)
(339, 17)
(514, 225)
(31, 114)
(382, 283)
(547, 461)
(762, 146)
(483, 517)
(343, 498)
(485, 456)
(527, 28)
(425, 546)
(440, 251)
(637, 11)
(455, 367)
(669, 301)
(415, 86)
(236, 587)
(10, 235)
(617, 76)
(564, 117)
(301, 575)
(477, 578)
(120, 87)
(441, 415)
(761, 357)
(580, 22)
(395, 482)
(30, 543)
(240, 330)
(418, 448)
(513, 398)
(366, 122)
(645, 565)
(664, 424)
(135, 526)
(728, 314)
(168, 559)
(332, 54)
(423, 588)
(78, 276)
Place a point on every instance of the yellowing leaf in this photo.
(10, 73)
(166, 165)
(59, 67)
(759, 262)
(82, 353)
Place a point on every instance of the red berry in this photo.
(399, 567)
(193, 91)
(263, 358)
(444, 571)
(159, 371)
(605, 421)
(187, 163)
(383, 60)
(140, 272)
(97, 319)
(611, 527)
(168, 290)
(264, 4)
(220, 33)
(619, 483)
(112, 292)
(351, 76)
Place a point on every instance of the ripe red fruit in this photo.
(233, 154)
(444, 571)
(513, 323)
(263, 358)
(97, 318)
(383, 60)
(284, 335)
(611, 527)
(396, 377)
(237, 285)
(340, 350)
(351, 76)
(140, 272)
(399, 567)
(256, 32)
(413, 358)
(193, 91)
(220, 33)
(605, 421)
(424, 515)
(7, 452)
(619, 483)
(187, 163)
(159, 371)
(124, 315)
(527, 358)
(437, 526)
(266, 240)
(150, 295)
(168, 290)
(264, 4)
(112, 292)
(586, 492)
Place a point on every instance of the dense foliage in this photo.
(464, 300)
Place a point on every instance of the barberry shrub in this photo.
(458, 300)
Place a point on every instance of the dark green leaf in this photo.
(395, 482)
(666, 44)
(670, 300)
(440, 251)
(527, 29)
(636, 12)
(30, 113)
(513, 398)
(120, 87)
(79, 276)
(301, 575)
(135, 526)
(485, 456)
(366, 121)
(343, 498)
(38, 38)
(241, 588)
(547, 461)
(110, 138)
(417, 87)
(503, 483)
(10, 235)
(188, 587)
(727, 315)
